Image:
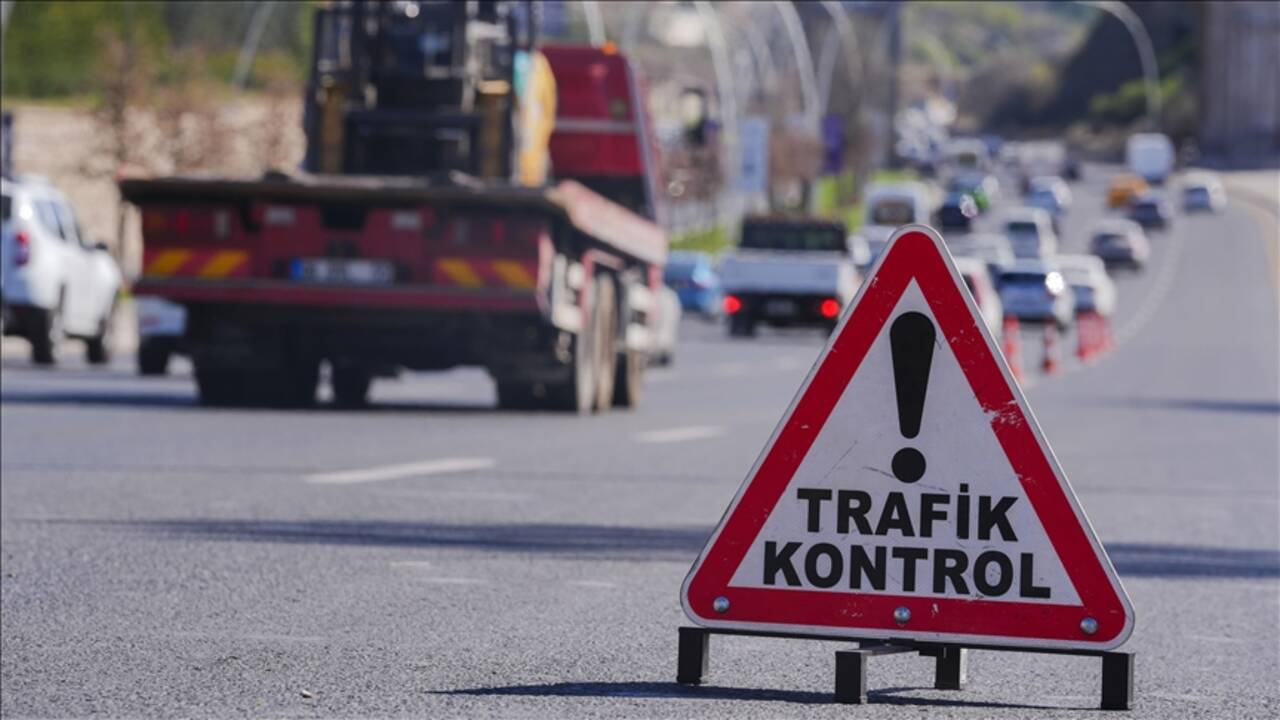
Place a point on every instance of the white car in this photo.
(1203, 191)
(1030, 233)
(1091, 287)
(56, 283)
(1120, 242)
(161, 325)
(892, 205)
(667, 329)
(1150, 155)
(1035, 291)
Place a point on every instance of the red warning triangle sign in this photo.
(908, 491)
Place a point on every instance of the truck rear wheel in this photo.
(628, 387)
(605, 319)
(220, 388)
(350, 385)
(742, 325)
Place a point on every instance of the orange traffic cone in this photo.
(1087, 341)
(1051, 363)
(1012, 337)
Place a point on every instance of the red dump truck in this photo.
(468, 198)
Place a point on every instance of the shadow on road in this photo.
(188, 401)
(640, 543)
(1142, 560)
(674, 691)
(1264, 407)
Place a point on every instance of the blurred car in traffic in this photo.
(1050, 193)
(56, 284)
(892, 205)
(692, 275)
(787, 271)
(667, 328)
(859, 251)
(160, 327)
(993, 250)
(1035, 291)
(1120, 242)
(1150, 156)
(981, 285)
(1091, 287)
(1151, 210)
(1124, 188)
(983, 187)
(1203, 192)
(957, 212)
(1030, 232)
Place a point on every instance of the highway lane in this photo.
(430, 556)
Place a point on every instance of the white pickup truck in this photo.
(787, 272)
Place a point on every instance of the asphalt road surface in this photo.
(431, 556)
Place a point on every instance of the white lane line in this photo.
(393, 472)
(680, 434)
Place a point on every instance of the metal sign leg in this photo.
(694, 654)
(951, 668)
(1117, 680)
(851, 676)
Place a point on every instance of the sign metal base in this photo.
(950, 663)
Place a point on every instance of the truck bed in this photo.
(603, 220)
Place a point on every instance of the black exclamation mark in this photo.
(911, 340)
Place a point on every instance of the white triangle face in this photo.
(979, 543)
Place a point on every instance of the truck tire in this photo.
(153, 357)
(575, 394)
(294, 386)
(221, 387)
(742, 325)
(98, 347)
(517, 396)
(605, 318)
(46, 330)
(350, 385)
(628, 386)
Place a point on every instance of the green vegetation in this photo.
(713, 241)
(55, 50)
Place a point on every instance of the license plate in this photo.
(353, 272)
(780, 307)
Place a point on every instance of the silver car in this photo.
(1036, 291)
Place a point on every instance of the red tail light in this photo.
(829, 308)
(21, 247)
(732, 304)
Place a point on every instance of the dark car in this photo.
(957, 212)
(1150, 210)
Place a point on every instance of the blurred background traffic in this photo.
(853, 117)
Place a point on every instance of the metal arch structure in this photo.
(726, 89)
(595, 22)
(849, 43)
(1146, 52)
(804, 59)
